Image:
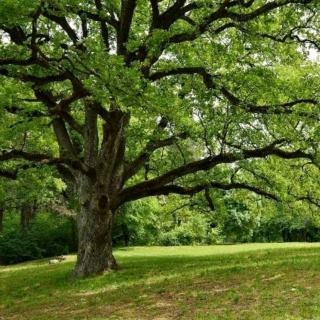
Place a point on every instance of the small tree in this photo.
(130, 99)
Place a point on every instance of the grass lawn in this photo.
(249, 281)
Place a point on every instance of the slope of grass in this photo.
(250, 281)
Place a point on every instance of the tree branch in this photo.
(63, 23)
(200, 28)
(283, 108)
(211, 162)
(127, 11)
(103, 26)
(8, 174)
(133, 167)
(43, 159)
(190, 191)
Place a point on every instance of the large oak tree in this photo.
(135, 98)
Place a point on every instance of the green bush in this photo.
(215, 236)
(17, 246)
(47, 236)
(137, 222)
(194, 230)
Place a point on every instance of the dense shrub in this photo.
(136, 223)
(152, 222)
(194, 230)
(287, 228)
(48, 235)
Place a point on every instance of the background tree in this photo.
(130, 99)
(37, 222)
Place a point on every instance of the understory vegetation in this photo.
(164, 222)
(46, 236)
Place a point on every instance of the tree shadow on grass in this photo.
(147, 283)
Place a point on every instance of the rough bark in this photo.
(95, 224)
(95, 243)
(98, 194)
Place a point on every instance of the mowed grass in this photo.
(249, 281)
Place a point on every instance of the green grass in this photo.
(249, 281)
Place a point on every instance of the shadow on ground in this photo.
(267, 284)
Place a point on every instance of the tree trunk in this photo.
(94, 223)
(26, 214)
(125, 234)
(1, 218)
(98, 193)
(95, 243)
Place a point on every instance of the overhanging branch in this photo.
(211, 162)
(282, 108)
(190, 191)
(43, 159)
(133, 167)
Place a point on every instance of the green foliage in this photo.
(18, 246)
(10, 10)
(138, 222)
(46, 236)
(160, 222)
(287, 225)
(193, 230)
(238, 224)
(237, 218)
